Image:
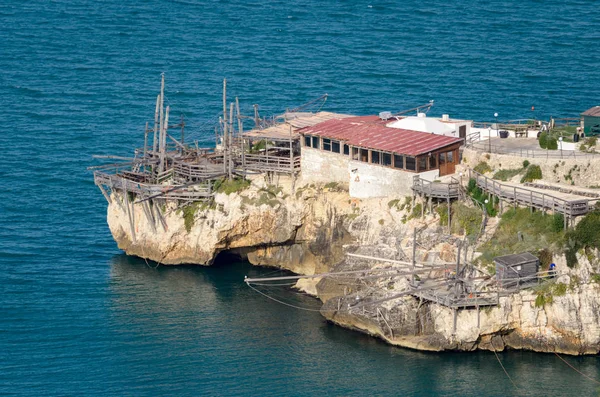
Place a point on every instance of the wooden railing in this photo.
(531, 198)
(435, 189)
(194, 172)
(531, 153)
(191, 192)
(260, 162)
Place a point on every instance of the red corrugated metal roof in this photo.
(370, 132)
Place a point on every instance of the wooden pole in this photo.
(449, 215)
(230, 142)
(291, 153)
(145, 146)
(155, 140)
(161, 121)
(164, 141)
(239, 117)
(182, 132)
(256, 119)
(225, 124)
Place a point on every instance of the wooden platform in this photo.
(435, 189)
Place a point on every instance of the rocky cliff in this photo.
(308, 229)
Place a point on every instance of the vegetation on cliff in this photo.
(521, 230)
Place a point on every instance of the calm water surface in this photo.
(80, 77)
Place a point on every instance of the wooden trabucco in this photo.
(166, 168)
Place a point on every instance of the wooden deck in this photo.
(446, 296)
(263, 163)
(568, 204)
(436, 189)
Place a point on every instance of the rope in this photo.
(504, 369)
(283, 303)
(576, 370)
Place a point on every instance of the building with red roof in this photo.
(376, 159)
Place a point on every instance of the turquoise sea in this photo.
(78, 317)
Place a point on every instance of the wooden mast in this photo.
(161, 123)
(225, 123)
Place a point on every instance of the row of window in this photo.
(422, 163)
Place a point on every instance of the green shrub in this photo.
(558, 222)
(571, 257)
(545, 257)
(189, 212)
(442, 211)
(535, 229)
(471, 185)
(416, 211)
(227, 186)
(595, 278)
(482, 167)
(466, 220)
(533, 172)
(547, 291)
(543, 141)
(393, 203)
(584, 236)
(552, 144)
(525, 163)
(540, 301)
(505, 175)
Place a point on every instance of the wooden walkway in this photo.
(568, 204)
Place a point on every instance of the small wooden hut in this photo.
(516, 270)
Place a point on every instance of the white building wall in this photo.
(322, 166)
(367, 180)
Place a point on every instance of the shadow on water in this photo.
(210, 317)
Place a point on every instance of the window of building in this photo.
(375, 157)
(398, 161)
(335, 146)
(315, 142)
(364, 155)
(450, 157)
(355, 154)
(346, 150)
(327, 144)
(386, 159)
(411, 163)
(422, 163)
(307, 140)
(432, 161)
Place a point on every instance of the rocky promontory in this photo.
(308, 228)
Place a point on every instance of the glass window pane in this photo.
(450, 157)
(315, 142)
(398, 161)
(387, 159)
(411, 163)
(327, 144)
(364, 155)
(335, 146)
(432, 162)
(355, 153)
(422, 163)
(346, 149)
(307, 140)
(375, 157)
(442, 158)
